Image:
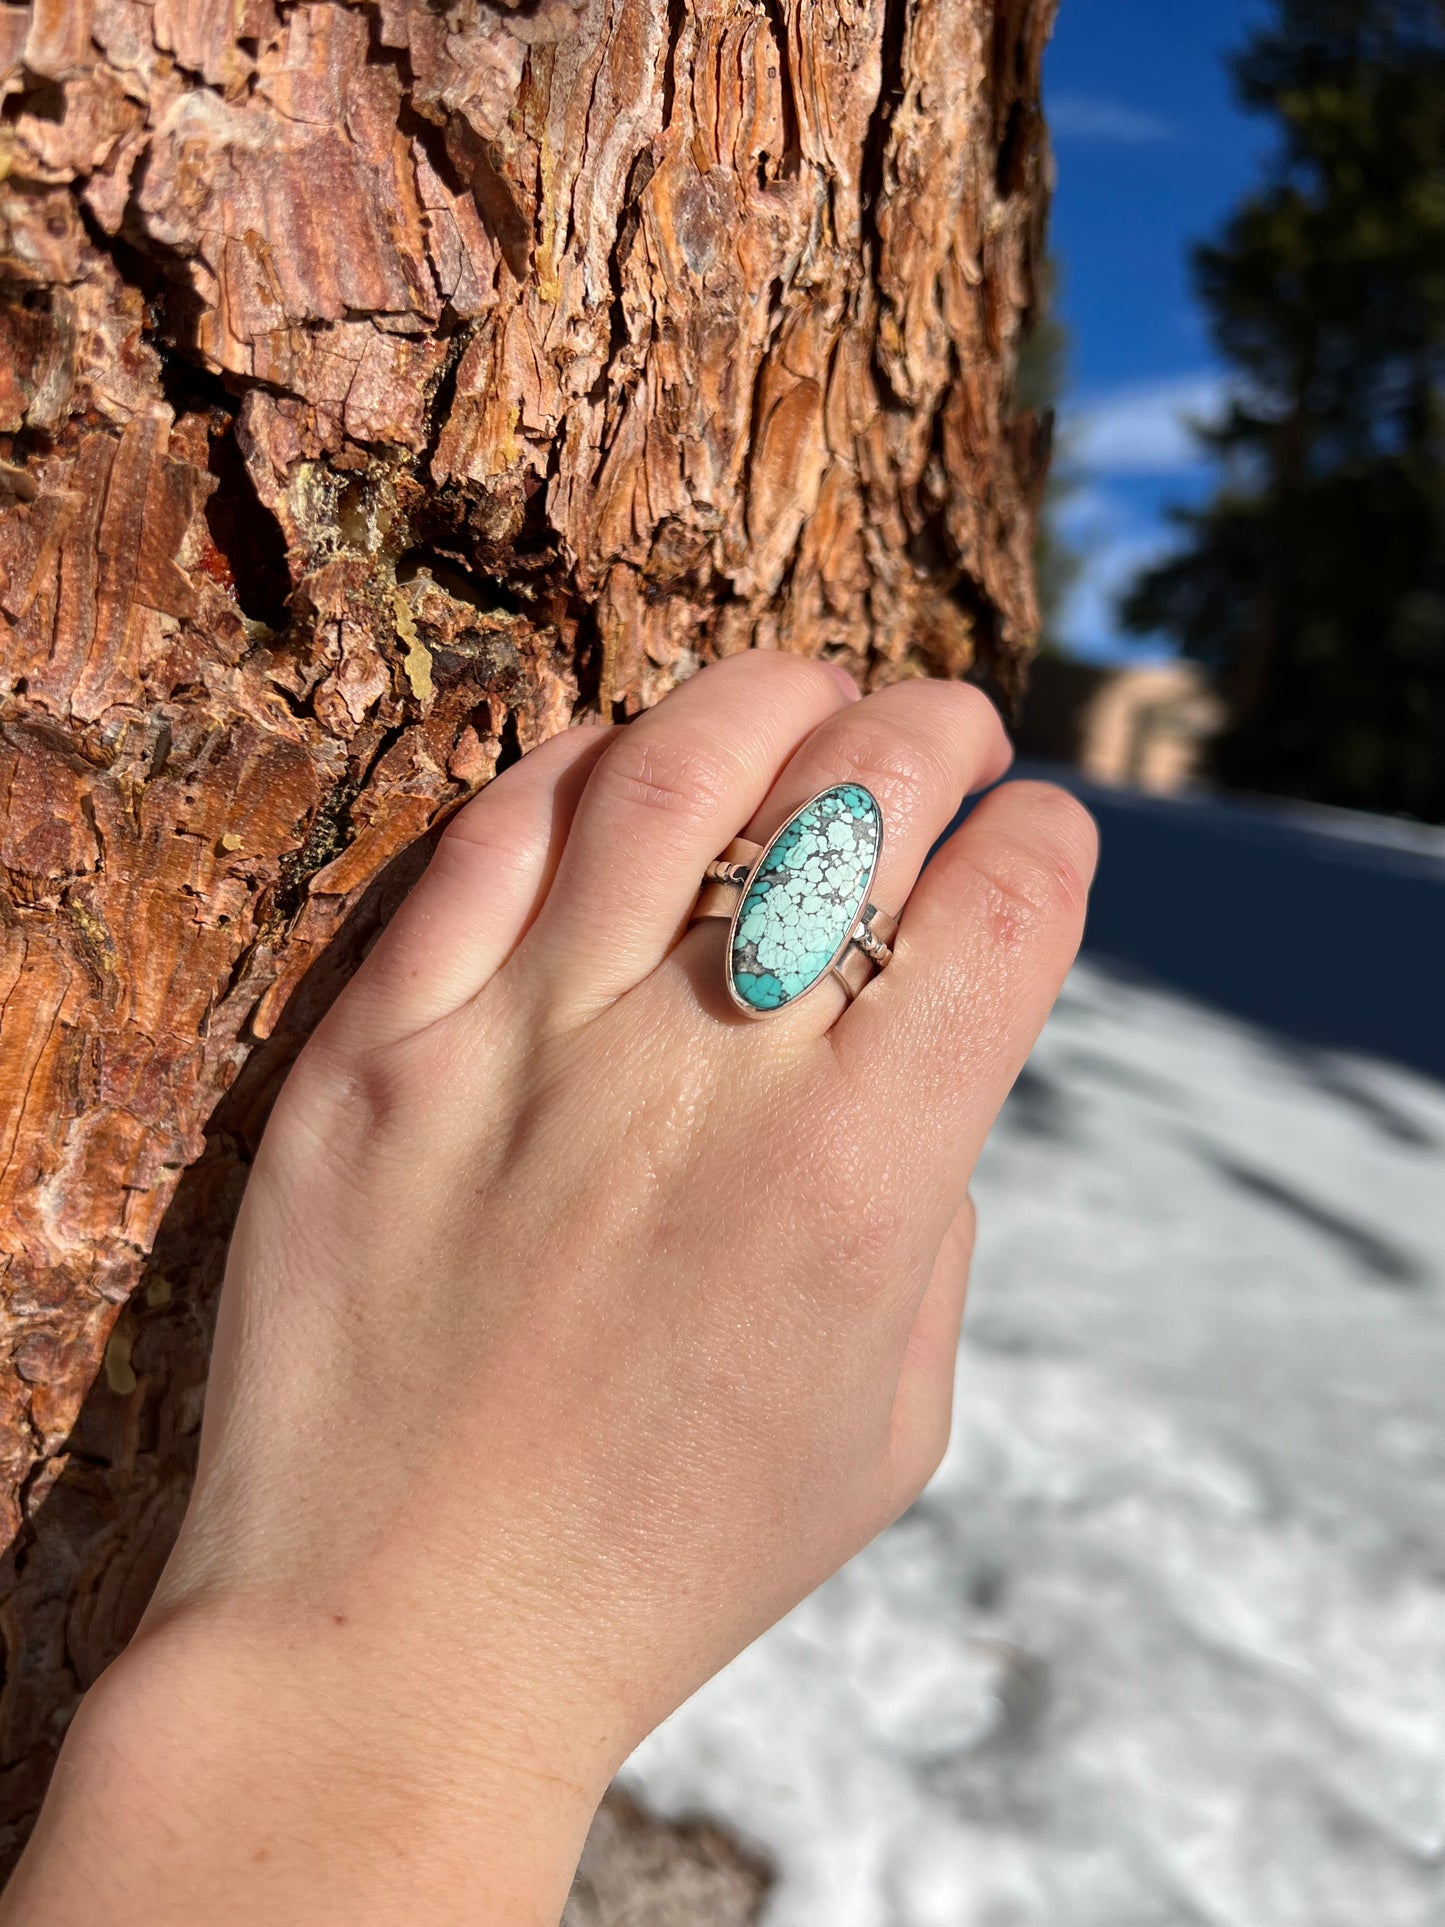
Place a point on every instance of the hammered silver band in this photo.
(719, 872)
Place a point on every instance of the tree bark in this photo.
(382, 386)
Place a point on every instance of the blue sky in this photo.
(1151, 154)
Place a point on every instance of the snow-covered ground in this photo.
(1163, 1645)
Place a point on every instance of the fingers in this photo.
(920, 747)
(935, 1042)
(923, 1403)
(487, 878)
(671, 791)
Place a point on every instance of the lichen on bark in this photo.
(382, 387)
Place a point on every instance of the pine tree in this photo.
(1313, 581)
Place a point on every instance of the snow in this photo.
(1163, 1645)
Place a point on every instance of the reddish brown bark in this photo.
(381, 386)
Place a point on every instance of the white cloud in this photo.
(1114, 543)
(1108, 441)
(1090, 117)
(1144, 429)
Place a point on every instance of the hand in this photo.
(575, 1326)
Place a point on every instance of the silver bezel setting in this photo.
(741, 1003)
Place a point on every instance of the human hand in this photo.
(575, 1326)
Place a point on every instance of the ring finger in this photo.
(919, 747)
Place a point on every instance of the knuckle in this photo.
(1041, 878)
(678, 775)
(342, 1094)
(362, 1099)
(1061, 815)
(903, 773)
(501, 856)
(975, 710)
(483, 848)
(779, 666)
(1066, 847)
(1025, 893)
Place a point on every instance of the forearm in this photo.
(210, 1777)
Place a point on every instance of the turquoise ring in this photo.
(798, 907)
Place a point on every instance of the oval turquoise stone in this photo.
(804, 897)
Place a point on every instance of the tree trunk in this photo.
(382, 386)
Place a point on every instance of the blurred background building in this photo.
(1149, 726)
(1164, 1643)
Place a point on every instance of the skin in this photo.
(575, 1326)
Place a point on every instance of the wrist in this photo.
(275, 1771)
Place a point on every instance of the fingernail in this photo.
(849, 687)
